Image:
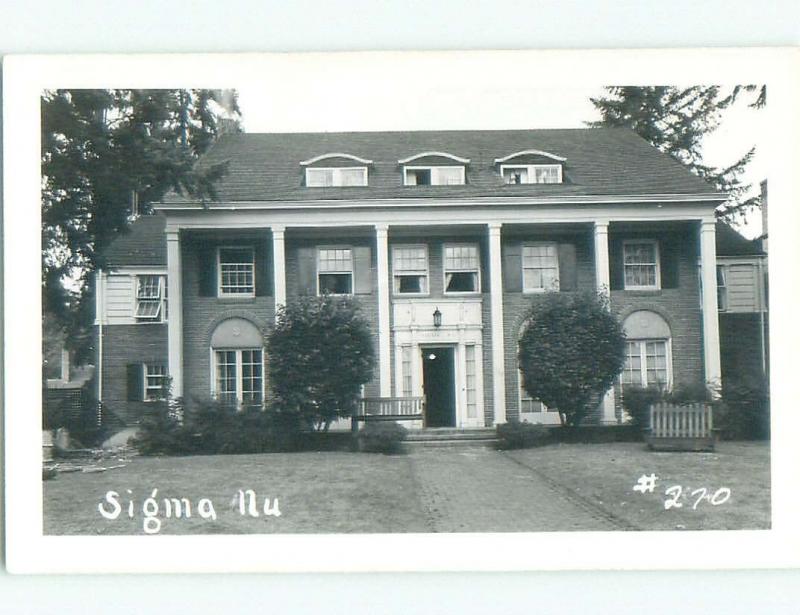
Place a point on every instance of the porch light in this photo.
(437, 318)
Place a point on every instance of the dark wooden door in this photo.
(438, 376)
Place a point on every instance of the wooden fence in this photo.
(689, 427)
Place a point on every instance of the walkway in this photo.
(483, 490)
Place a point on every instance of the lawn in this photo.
(605, 474)
(559, 487)
(316, 492)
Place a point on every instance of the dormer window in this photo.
(434, 176)
(434, 169)
(531, 174)
(336, 170)
(531, 166)
(324, 177)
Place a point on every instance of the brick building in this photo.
(444, 237)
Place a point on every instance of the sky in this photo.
(382, 102)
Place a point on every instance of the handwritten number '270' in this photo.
(676, 491)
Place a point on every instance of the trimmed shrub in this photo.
(571, 351)
(209, 427)
(381, 437)
(744, 411)
(516, 434)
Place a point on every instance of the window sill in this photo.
(641, 292)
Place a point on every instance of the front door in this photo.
(438, 381)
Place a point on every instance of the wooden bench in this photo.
(389, 409)
(681, 428)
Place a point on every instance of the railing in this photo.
(390, 409)
(690, 421)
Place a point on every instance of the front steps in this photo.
(451, 436)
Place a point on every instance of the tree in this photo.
(570, 352)
(104, 154)
(321, 353)
(675, 120)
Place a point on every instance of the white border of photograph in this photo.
(426, 84)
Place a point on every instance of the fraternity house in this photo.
(444, 237)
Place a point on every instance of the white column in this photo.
(603, 284)
(708, 275)
(175, 317)
(279, 266)
(384, 331)
(498, 344)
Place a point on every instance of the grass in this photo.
(317, 493)
(341, 492)
(605, 475)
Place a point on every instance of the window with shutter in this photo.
(335, 271)
(539, 267)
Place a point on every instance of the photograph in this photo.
(479, 330)
(402, 311)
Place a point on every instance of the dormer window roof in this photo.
(532, 166)
(434, 169)
(336, 169)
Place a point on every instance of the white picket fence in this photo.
(689, 421)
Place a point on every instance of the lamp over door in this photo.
(437, 318)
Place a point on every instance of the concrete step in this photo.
(451, 435)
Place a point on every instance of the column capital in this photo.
(173, 234)
(601, 226)
(278, 229)
(381, 228)
(495, 227)
(708, 226)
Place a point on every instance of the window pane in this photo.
(335, 260)
(236, 271)
(515, 176)
(462, 282)
(336, 283)
(411, 284)
(461, 257)
(352, 177)
(449, 176)
(632, 372)
(540, 266)
(319, 178)
(546, 174)
(252, 375)
(149, 287)
(226, 375)
(418, 177)
(413, 258)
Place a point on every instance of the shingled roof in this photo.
(142, 245)
(732, 243)
(599, 161)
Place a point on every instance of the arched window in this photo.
(237, 351)
(648, 358)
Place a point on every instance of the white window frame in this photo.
(722, 289)
(220, 290)
(146, 367)
(352, 271)
(427, 270)
(445, 270)
(161, 314)
(337, 176)
(643, 361)
(434, 169)
(657, 256)
(215, 393)
(538, 244)
(531, 170)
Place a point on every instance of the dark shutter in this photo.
(362, 265)
(306, 271)
(512, 268)
(135, 382)
(616, 264)
(567, 267)
(263, 286)
(670, 257)
(207, 270)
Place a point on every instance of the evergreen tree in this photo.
(675, 120)
(104, 153)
